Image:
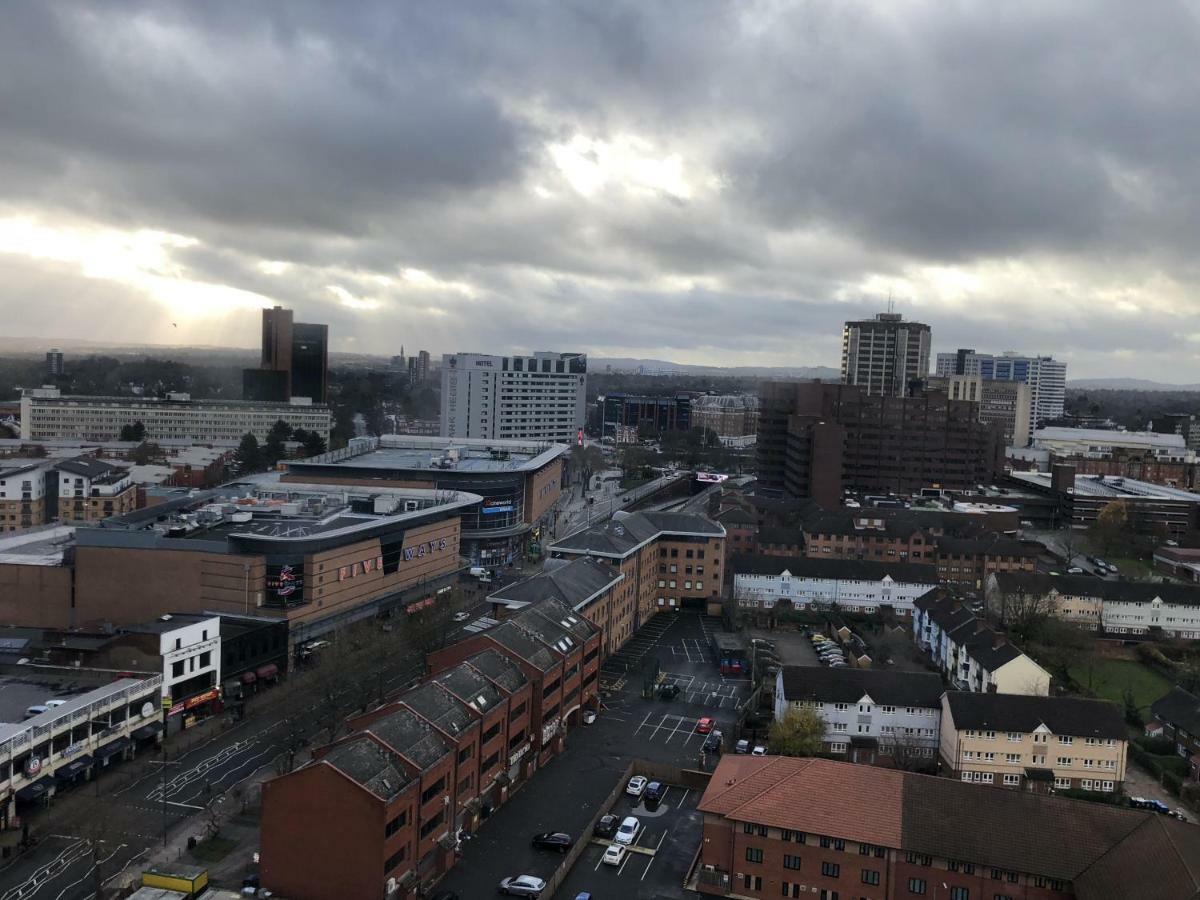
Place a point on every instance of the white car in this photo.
(589, 717)
(461, 616)
(614, 855)
(759, 750)
(627, 830)
(636, 786)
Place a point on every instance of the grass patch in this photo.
(1134, 568)
(1108, 679)
(214, 849)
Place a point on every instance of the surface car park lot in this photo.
(657, 861)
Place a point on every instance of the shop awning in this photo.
(35, 790)
(149, 730)
(73, 768)
(249, 678)
(270, 670)
(112, 749)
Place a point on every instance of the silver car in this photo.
(522, 886)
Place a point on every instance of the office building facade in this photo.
(819, 440)
(54, 363)
(1046, 377)
(885, 355)
(1005, 403)
(47, 415)
(654, 414)
(295, 361)
(538, 397)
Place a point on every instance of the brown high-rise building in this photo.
(295, 360)
(819, 440)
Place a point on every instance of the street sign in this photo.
(166, 703)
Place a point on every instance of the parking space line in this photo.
(644, 721)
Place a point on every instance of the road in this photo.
(130, 807)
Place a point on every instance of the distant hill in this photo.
(1127, 384)
(599, 364)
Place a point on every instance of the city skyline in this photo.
(624, 181)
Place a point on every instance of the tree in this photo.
(147, 452)
(274, 450)
(314, 444)
(1111, 530)
(248, 456)
(134, 432)
(1024, 613)
(799, 733)
(586, 461)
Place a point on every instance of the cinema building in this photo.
(518, 484)
(320, 556)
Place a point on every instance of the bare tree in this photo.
(1024, 613)
(909, 752)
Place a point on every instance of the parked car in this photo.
(627, 830)
(762, 644)
(35, 711)
(614, 855)
(654, 792)
(742, 747)
(637, 784)
(1074, 570)
(461, 616)
(606, 827)
(553, 840)
(54, 704)
(522, 886)
(712, 743)
(584, 895)
(759, 750)
(705, 725)
(669, 691)
(589, 717)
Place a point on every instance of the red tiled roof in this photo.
(818, 795)
(1095, 844)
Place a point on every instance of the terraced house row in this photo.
(380, 812)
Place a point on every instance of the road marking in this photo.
(644, 721)
(184, 805)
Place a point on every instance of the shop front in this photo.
(188, 713)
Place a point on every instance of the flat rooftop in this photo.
(278, 511)
(437, 454)
(1111, 486)
(36, 547)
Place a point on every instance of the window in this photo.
(790, 890)
(176, 669)
(1066, 741)
(433, 790)
(1012, 780)
(870, 876)
(752, 882)
(761, 829)
(830, 870)
(916, 885)
(1014, 736)
(395, 859)
(791, 862)
(1064, 783)
(396, 824)
(960, 893)
(205, 659)
(747, 828)
(1012, 757)
(754, 854)
(1064, 761)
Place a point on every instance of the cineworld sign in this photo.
(375, 563)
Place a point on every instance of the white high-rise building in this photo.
(884, 355)
(1046, 377)
(538, 397)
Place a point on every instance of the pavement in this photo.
(565, 794)
(134, 814)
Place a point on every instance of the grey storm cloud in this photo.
(688, 179)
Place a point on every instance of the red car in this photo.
(705, 725)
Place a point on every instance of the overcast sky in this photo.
(707, 182)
